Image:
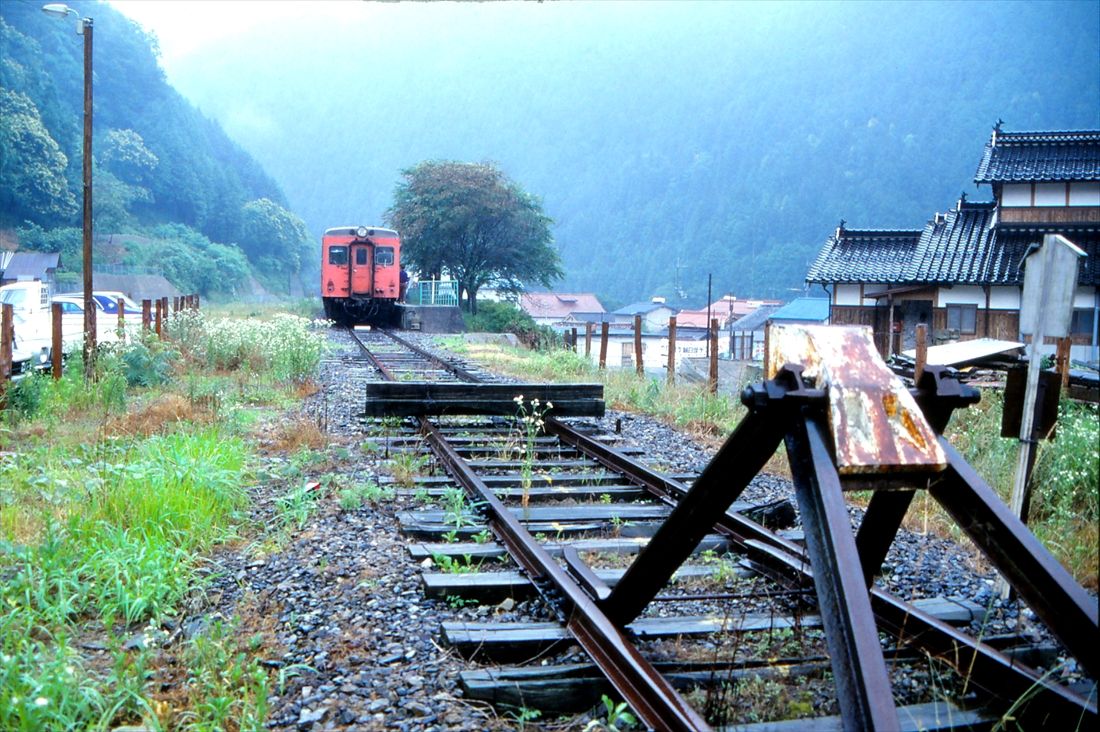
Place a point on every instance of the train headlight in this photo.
(331, 286)
(361, 232)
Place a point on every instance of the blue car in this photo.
(109, 302)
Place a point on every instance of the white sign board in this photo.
(1050, 278)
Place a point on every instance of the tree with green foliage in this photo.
(472, 221)
(273, 238)
(32, 166)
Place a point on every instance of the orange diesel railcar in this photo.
(361, 274)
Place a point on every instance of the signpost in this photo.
(1050, 279)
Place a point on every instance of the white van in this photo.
(30, 303)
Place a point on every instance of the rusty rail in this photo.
(837, 564)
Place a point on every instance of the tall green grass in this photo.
(108, 534)
(1065, 498)
(287, 346)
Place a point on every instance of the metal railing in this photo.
(433, 292)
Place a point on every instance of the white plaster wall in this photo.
(1084, 193)
(1016, 194)
(847, 295)
(1050, 194)
(1004, 298)
(1084, 297)
(960, 295)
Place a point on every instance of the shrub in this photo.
(503, 317)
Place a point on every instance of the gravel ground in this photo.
(340, 605)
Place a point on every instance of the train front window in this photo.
(360, 256)
(383, 256)
(338, 256)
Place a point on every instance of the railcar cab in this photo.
(360, 272)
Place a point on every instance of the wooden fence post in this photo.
(146, 314)
(671, 375)
(196, 301)
(573, 339)
(922, 351)
(121, 318)
(712, 377)
(159, 317)
(603, 345)
(7, 328)
(588, 341)
(56, 346)
(638, 366)
(1062, 359)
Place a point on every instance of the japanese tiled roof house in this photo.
(961, 273)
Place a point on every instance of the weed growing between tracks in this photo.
(111, 492)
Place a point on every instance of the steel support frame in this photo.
(985, 667)
(863, 690)
(652, 698)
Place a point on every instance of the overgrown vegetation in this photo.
(111, 492)
(1065, 503)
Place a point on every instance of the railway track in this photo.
(559, 518)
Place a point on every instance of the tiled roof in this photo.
(959, 247)
(864, 255)
(1040, 156)
(559, 304)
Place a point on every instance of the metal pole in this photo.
(89, 306)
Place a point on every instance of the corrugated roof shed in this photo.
(559, 304)
(641, 308)
(804, 309)
(1040, 156)
(755, 320)
(30, 265)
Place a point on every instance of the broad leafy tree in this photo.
(32, 166)
(272, 237)
(472, 221)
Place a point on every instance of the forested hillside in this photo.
(724, 137)
(162, 170)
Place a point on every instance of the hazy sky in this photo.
(185, 26)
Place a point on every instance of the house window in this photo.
(1082, 322)
(338, 256)
(963, 318)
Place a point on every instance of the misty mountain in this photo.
(159, 162)
(723, 137)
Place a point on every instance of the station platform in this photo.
(431, 318)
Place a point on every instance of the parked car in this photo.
(72, 320)
(108, 300)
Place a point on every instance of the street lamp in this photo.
(84, 28)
